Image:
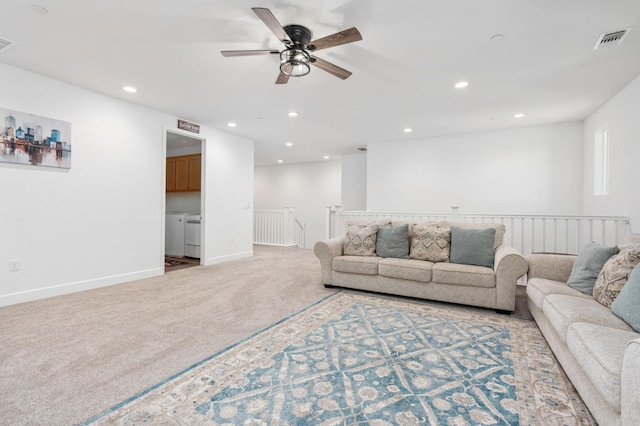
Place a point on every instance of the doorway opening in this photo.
(184, 201)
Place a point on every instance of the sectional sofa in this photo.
(597, 349)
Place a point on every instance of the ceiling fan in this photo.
(296, 57)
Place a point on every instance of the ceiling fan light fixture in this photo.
(294, 62)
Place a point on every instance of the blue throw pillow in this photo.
(472, 246)
(588, 265)
(625, 305)
(393, 241)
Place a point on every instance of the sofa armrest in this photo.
(630, 387)
(551, 266)
(509, 265)
(325, 251)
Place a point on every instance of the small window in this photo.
(601, 163)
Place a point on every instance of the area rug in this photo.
(355, 358)
(169, 262)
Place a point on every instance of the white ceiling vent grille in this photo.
(612, 38)
(6, 44)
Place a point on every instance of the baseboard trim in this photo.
(221, 259)
(58, 290)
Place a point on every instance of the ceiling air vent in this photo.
(6, 44)
(362, 149)
(612, 38)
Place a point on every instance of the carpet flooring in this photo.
(65, 359)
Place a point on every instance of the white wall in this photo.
(184, 202)
(228, 211)
(620, 115)
(354, 182)
(534, 170)
(310, 187)
(102, 221)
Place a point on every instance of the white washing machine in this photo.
(192, 236)
(174, 235)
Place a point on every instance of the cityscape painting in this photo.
(35, 140)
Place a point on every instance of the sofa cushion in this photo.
(563, 310)
(500, 229)
(393, 241)
(630, 240)
(356, 264)
(416, 270)
(626, 304)
(539, 288)
(430, 243)
(466, 275)
(615, 274)
(599, 351)
(552, 266)
(588, 265)
(431, 223)
(472, 246)
(366, 222)
(360, 240)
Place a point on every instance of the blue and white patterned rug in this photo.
(364, 359)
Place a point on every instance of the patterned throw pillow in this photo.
(360, 240)
(430, 243)
(615, 274)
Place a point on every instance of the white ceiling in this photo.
(404, 69)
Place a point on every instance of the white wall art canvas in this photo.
(35, 140)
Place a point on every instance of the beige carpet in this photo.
(65, 359)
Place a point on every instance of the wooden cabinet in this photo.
(171, 174)
(195, 164)
(183, 173)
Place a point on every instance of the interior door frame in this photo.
(164, 186)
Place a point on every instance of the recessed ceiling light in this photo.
(518, 115)
(289, 144)
(293, 114)
(280, 161)
(231, 124)
(129, 89)
(36, 8)
(408, 130)
(326, 157)
(496, 38)
(461, 84)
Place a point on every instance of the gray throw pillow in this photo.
(588, 265)
(393, 241)
(625, 305)
(472, 246)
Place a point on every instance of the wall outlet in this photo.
(14, 265)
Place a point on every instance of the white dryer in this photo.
(174, 235)
(192, 236)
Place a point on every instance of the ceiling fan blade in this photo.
(282, 79)
(330, 68)
(248, 52)
(270, 21)
(342, 37)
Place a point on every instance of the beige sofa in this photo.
(599, 352)
(442, 281)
